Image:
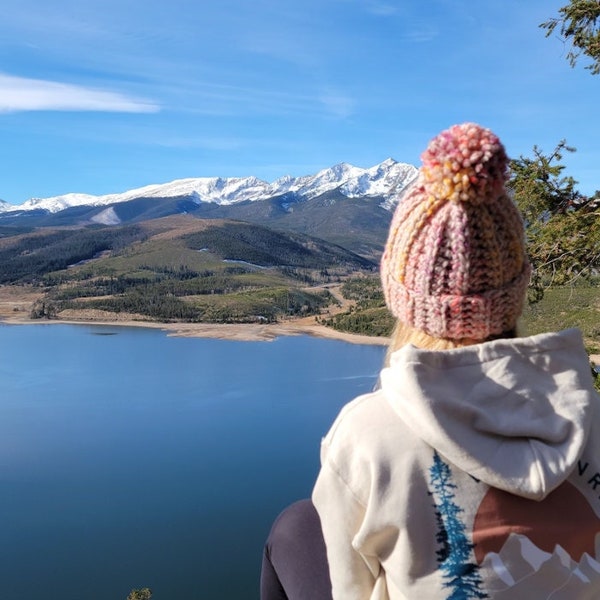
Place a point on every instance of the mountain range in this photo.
(384, 180)
(344, 204)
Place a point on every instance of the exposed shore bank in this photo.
(248, 332)
(16, 306)
(16, 303)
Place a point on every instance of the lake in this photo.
(130, 459)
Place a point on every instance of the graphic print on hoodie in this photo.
(550, 546)
(461, 575)
(520, 543)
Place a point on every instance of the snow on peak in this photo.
(107, 217)
(58, 203)
(386, 180)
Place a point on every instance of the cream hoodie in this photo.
(471, 473)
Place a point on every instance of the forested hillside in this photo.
(177, 268)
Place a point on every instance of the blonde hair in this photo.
(405, 334)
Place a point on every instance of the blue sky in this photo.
(101, 96)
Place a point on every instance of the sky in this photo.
(103, 96)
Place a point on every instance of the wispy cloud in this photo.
(419, 33)
(338, 104)
(383, 9)
(211, 98)
(209, 143)
(20, 94)
(380, 8)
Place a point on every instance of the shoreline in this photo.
(243, 332)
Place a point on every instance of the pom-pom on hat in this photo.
(455, 265)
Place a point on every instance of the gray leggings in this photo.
(294, 563)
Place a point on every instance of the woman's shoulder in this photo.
(363, 413)
(369, 426)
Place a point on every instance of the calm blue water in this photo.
(131, 459)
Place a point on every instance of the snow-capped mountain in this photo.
(385, 180)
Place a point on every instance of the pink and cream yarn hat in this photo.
(454, 265)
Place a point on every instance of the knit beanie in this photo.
(455, 265)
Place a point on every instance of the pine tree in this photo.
(461, 575)
(563, 226)
(579, 24)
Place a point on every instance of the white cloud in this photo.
(19, 94)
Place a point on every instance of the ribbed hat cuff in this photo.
(476, 316)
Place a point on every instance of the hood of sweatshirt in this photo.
(514, 414)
